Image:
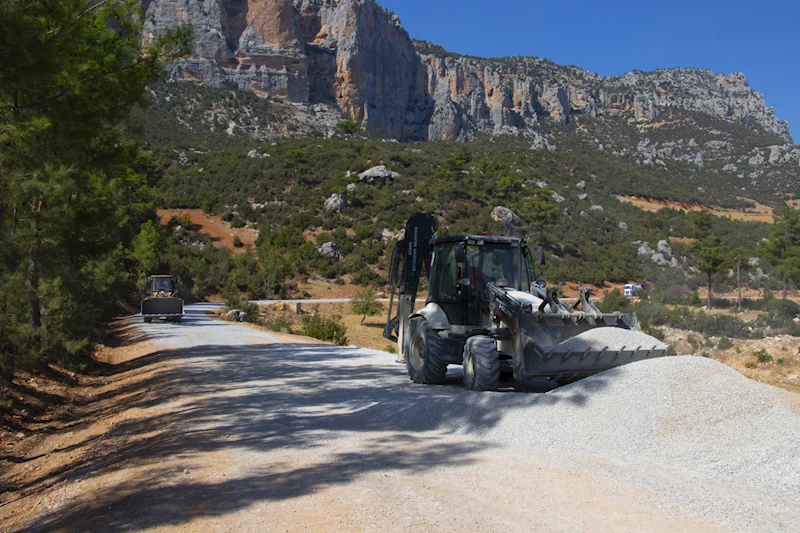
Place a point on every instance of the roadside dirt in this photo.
(219, 233)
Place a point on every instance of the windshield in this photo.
(498, 263)
(162, 285)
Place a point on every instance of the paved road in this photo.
(231, 430)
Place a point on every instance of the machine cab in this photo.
(462, 266)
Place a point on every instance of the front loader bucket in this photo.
(162, 307)
(572, 347)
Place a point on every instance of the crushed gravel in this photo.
(691, 430)
(609, 337)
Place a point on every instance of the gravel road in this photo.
(239, 432)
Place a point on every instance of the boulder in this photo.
(330, 249)
(336, 203)
(379, 174)
(581, 185)
(506, 217)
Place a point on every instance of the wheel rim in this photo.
(416, 349)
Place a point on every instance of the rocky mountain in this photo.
(354, 56)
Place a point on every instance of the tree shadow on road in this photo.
(260, 399)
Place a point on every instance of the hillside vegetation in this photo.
(566, 198)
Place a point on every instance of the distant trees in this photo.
(782, 249)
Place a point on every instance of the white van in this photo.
(632, 290)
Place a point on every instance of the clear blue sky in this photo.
(760, 38)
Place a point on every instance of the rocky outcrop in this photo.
(354, 56)
(350, 54)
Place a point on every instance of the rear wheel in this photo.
(176, 319)
(424, 353)
(481, 364)
(148, 319)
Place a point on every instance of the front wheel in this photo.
(148, 319)
(481, 364)
(424, 353)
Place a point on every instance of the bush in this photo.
(763, 356)
(237, 242)
(250, 309)
(785, 309)
(614, 301)
(725, 343)
(280, 324)
(325, 329)
(348, 127)
(364, 303)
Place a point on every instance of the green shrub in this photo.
(237, 242)
(325, 329)
(250, 309)
(348, 127)
(237, 222)
(280, 324)
(763, 356)
(785, 309)
(725, 343)
(652, 331)
(750, 365)
(614, 301)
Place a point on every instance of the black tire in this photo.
(424, 353)
(176, 319)
(148, 319)
(481, 364)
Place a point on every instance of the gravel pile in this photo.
(690, 411)
(614, 338)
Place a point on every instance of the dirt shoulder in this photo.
(54, 420)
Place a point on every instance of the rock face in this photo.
(354, 56)
(351, 54)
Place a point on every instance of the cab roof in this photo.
(491, 239)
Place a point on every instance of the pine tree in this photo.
(710, 259)
(69, 199)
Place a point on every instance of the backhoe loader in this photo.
(487, 311)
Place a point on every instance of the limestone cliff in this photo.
(354, 56)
